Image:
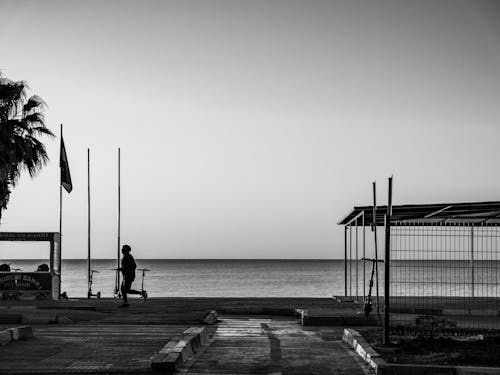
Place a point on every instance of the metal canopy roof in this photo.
(475, 213)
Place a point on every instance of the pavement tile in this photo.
(87, 348)
(265, 346)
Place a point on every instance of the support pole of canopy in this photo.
(357, 257)
(345, 261)
(387, 264)
(350, 261)
(364, 256)
(472, 276)
(374, 229)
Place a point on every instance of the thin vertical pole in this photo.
(60, 209)
(88, 217)
(364, 256)
(472, 259)
(119, 223)
(387, 263)
(345, 261)
(60, 187)
(374, 228)
(350, 261)
(357, 257)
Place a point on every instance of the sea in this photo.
(277, 278)
(205, 278)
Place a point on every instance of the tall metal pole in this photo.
(60, 208)
(60, 188)
(472, 276)
(364, 256)
(357, 258)
(119, 224)
(350, 261)
(88, 216)
(387, 263)
(345, 261)
(374, 229)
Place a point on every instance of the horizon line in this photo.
(265, 259)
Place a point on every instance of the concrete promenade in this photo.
(252, 336)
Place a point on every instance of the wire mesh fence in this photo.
(363, 273)
(444, 278)
(356, 269)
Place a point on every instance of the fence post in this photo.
(374, 229)
(350, 261)
(387, 264)
(364, 256)
(345, 261)
(357, 257)
(472, 259)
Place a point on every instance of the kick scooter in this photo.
(368, 300)
(144, 294)
(89, 293)
(117, 292)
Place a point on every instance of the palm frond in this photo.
(34, 102)
(42, 130)
(34, 118)
(4, 194)
(21, 124)
(31, 155)
(12, 97)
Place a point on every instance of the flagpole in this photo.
(88, 215)
(60, 207)
(64, 178)
(119, 221)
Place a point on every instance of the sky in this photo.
(248, 129)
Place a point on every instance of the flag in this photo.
(63, 164)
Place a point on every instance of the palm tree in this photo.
(21, 124)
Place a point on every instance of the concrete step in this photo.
(334, 318)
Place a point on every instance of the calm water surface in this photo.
(208, 278)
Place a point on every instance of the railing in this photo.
(444, 278)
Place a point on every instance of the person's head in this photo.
(126, 249)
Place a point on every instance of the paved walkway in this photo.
(275, 346)
(240, 345)
(87, 348)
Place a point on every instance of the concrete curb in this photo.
(444, 312)
(396, 369)
(354, 339)
(279, 311)
(336, 320)
(14, 334)
(5, 337)
(176, 352)
(70, 307)
(35, 371)
(35, 307)
(33, 318)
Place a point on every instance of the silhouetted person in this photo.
(128, 270)
(43, 268)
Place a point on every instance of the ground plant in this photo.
(477, 350)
